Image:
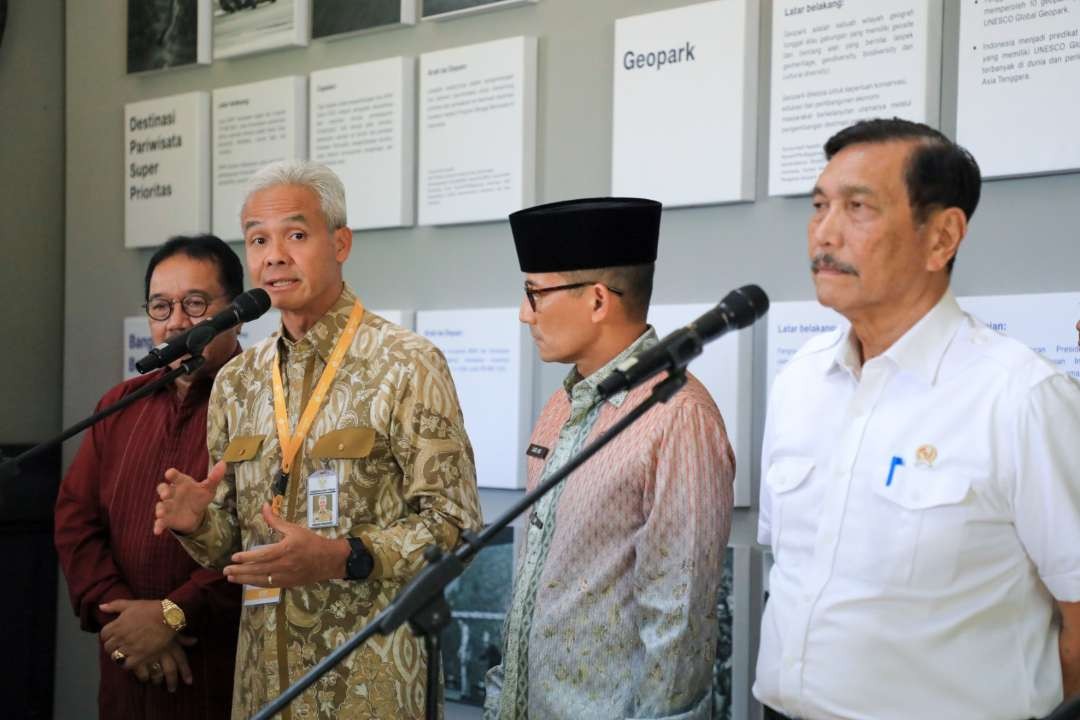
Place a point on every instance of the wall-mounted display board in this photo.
(448, 9)
(163, 34)
(836, 62)
(1018, 86)
(684, 126)
(346, 18)
(490, 357)
(477, 132)
(166, 168)
(790, 325)
(245, 27)
(404, 318)
(1045, 322)
(731, 671)
(137, 340)
(478, 599)
(254, 125)
(725, 371)
(362, 121)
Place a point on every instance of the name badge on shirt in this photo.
(537, 451)
(322, 499)
(253, 595)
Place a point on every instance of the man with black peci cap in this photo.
(613, 611)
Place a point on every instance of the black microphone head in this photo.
(747, 304)
(251, 304)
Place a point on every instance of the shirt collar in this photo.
(579, 388)
(919, 351)
(323, 335)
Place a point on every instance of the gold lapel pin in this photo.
(926, 455)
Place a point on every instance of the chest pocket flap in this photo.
(243, 447)
(923, 488)
(788, 473)
(354, 442)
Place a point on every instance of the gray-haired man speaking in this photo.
(343, 412)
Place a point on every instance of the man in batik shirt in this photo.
(613, 612)
(386, 447)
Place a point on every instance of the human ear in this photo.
(947, 228)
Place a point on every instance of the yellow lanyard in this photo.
(290, 445)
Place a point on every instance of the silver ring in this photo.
(270, 580)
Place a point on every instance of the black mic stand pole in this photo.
(10, 468)
(422, 602)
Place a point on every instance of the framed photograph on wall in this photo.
(336, 19)
(449, 9)
(472, 643)
(245, 27)
(164, 34)
(731, 671)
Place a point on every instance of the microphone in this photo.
(739, 309)
(246, 306)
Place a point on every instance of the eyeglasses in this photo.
(532, 293)
(195, 306)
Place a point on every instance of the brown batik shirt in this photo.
(392, 429)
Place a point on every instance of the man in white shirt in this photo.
(919, 483)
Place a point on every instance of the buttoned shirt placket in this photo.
(870, 383)
(585, 406)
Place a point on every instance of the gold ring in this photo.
(156, 668)
(118, 657)
(270, 580)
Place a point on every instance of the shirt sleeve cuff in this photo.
(95, 618)
(1065, 587)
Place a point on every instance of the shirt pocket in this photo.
(927, 513)
(793, 519)
(347, 451)
(241, 454)
(251, 486)
(243, 448)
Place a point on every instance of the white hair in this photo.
(317, 178)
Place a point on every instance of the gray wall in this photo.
(1023, 238)
(31, 219)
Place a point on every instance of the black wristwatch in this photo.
(359, 564)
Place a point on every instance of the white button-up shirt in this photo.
(924, 514)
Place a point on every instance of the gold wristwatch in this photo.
(173, 615)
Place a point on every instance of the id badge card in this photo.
(322, 499)
(253, 595)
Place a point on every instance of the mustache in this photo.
(825, 261)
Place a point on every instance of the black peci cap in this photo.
(586, 234)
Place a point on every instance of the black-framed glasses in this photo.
(195, 306)
(531, 293)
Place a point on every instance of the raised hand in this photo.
(183, 501)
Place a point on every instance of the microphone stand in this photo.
(422, 602)
(9, 469)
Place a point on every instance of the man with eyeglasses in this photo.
(614, 606)
(167, 626)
